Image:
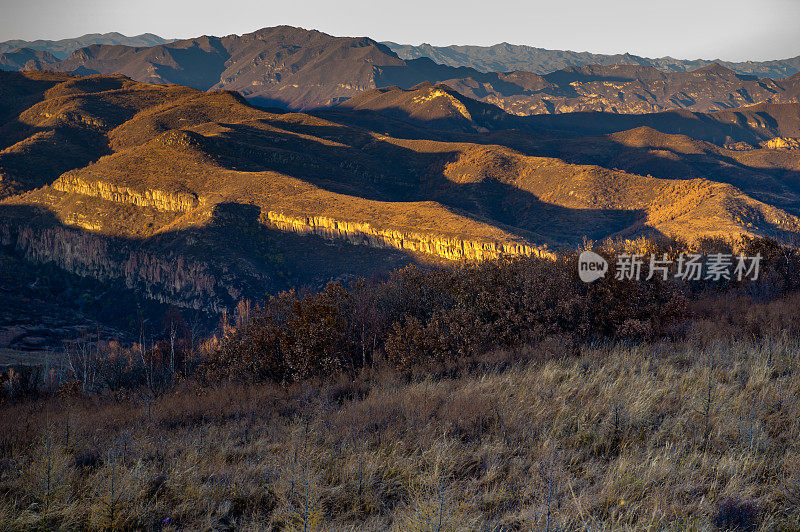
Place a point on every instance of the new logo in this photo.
(591, 266)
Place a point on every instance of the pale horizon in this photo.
(734, 30)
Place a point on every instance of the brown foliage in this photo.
(432, 318)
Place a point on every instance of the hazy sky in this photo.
(689, 29)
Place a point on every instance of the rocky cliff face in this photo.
(358, 233)
(159, 267)
(451, 248)
(165, 277)
(781, 143)
(154, 198)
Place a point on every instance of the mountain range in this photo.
(502, 57)
(100, 167)
(211, 170)
(505, 57)
(62, 48)
(293, 68)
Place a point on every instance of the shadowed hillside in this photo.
(625, 89)
(284, 66)
(26, 59)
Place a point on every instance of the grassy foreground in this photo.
(682, 435)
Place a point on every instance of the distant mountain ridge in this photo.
(505, 57)
(61, 49)
(625, 89)
(298, 69)
(280, 66)
(26, 59)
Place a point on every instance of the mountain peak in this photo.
(716, 68)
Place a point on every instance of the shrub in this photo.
(432, 318)
(735, 514)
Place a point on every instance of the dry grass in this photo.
(622, 437)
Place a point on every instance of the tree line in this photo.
(416, 320)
